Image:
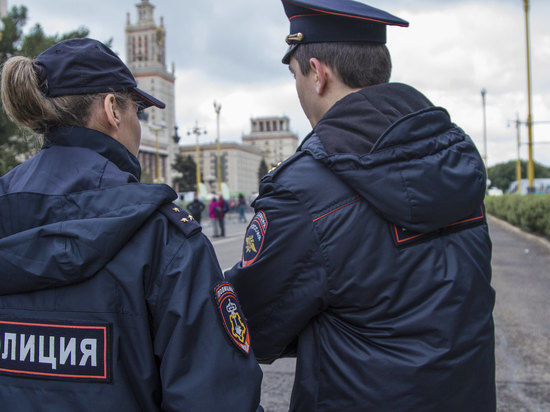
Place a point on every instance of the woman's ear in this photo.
(111, 110)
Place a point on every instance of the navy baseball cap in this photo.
(86, 66)
(319, 21)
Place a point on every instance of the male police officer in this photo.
(369, 255)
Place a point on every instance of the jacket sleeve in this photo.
(200, 366)
(281, 279)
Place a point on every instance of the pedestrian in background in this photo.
(223, 208)
(214, 215)
(369, 256)
(196, 207)
(241, 207)
(108, 291)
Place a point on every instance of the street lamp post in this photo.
(176, 136)
(176, 139)
(156, 128)
(518, 161)
(483, 93)
(530, 164)
(197, 131)
(218, 108)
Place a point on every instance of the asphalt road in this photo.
(521, 278)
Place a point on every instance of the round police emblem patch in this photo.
(232, 316)
(254, 239)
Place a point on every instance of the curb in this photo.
(512, 228)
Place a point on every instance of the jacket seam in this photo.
(161, 274)
(336, 209)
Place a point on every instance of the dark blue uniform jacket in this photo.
(369, 260)
(106, 294)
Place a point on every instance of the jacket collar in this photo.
(94, 140)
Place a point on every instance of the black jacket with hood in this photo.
(107, 291)
(369, 259)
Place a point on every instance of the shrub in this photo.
(530, 213)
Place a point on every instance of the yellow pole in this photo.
(530, 164)
(217, 108)
(518, 162)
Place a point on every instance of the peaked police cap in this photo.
(319, 21)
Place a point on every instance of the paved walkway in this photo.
(521, 278)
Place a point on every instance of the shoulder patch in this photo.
(179, 217)
(254, 238)
(232, 316)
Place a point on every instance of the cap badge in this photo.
(296, 37)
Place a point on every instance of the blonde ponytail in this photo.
(27, 105)
(21, 97)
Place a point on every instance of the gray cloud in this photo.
(231, 50)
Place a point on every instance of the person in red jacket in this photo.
(222, 208)
(214, 215)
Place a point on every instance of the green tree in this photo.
(502, 174)
(262, 169)
(17, 144)
(187, 168)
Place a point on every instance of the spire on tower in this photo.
(145, 12)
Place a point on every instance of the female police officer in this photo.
(108, 292)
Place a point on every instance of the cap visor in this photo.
(286, 57)
(148, 100)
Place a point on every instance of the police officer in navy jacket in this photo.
(368, 257)
(111, 298)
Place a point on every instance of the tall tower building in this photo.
(3, 8)
(146, 58)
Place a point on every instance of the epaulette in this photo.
(281, 165)
(179, 217)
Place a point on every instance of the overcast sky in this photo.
(230, 51)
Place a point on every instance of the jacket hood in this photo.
(402, 155)
(57, 240)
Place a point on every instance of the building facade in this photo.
(146, 58)
(239, 166)
(273, 137)
(270, 140)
